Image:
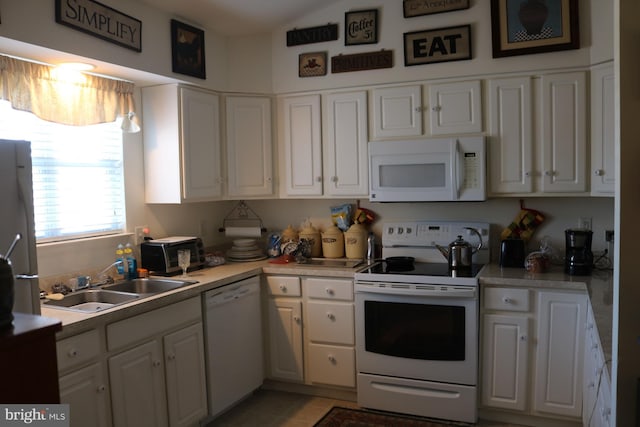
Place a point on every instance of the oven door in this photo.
(430, 336)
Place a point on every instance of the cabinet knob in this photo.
(591, 384)
(331, 316)
(101, 388)
(523, 337)
(269, 179)
(156, 363)
(332, 359)
(72, 352)
(527, 174)
(296, 319)
(436, 108)
(330, 291)
(283, 288)
(599, 172)
(171, 357)
(334, 178)
(548, 173)
(319, 179)
(507, 300)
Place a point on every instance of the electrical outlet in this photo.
(140, 232)
(584, 223)
(608, 235)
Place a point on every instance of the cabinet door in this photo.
(510, 141)
(346, 170)
(137, 387)
(397, 111)
(455, 108)
(185, 373)
(505, 361)
(559, 354)
(249, 148)
(285, 339)
(302, 145)
(200, 127)
(563, 124)
(85, 391)
(603, 131)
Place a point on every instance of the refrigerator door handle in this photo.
(26, 276)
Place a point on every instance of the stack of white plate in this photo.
(245, 250)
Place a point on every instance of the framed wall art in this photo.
(411, 8)
(361, 27)
(437, 45)
(187, 50)
(522, 27)
(312, 64)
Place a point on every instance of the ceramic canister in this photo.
(333, 242)
(312, 234)
(355, 241)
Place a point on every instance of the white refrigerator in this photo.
(16, 217)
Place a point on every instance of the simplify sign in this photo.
(101, 21)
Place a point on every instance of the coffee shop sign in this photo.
(100, 21)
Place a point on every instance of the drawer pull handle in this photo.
(330, 291)
(101, 388)
(73, 352)
(283, 288)
(331, 316)
(523, 337)
(332, 359)
(507, 300)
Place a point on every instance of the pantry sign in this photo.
(100, 21)
(438, 45)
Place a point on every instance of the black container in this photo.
(512, 253)
(578, 259)
(6, 293)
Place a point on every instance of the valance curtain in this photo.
(84, 100)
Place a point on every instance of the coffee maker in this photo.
(578, 259)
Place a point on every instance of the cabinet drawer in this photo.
(77, 349)
(330, 322)
(284, 286)
(506, 299)
(334, 365)
(331, 289)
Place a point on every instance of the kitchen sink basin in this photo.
(92, 300)
(145, 287)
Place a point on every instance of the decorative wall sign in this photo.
(323, 33)
(312, 64)
(438, 45)
(187, 50)
(521, 27)
(413, 8)
(100, 21)
(362, 61)
(361, 27)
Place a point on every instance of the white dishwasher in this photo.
(233, 334)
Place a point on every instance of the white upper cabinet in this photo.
(397, 111)
(603, 131)
(248, 147)
(301, 136)
(455, 108)
(346, 170)
(563, 132)
(510, 141)
(181, 144)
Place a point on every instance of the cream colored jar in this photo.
(312, 234)
(333, 242)
(355, 241)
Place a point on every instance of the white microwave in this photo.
(425, 170)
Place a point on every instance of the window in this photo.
(78, 179)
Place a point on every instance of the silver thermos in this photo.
(371, 247)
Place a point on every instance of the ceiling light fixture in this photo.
(77, 66)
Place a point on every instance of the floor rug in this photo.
(345, 417)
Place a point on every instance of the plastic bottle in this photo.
(121, 265)
(131, 262)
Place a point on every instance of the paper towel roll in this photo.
(242, 231)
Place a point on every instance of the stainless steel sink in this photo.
(145, 287)
(92, 300)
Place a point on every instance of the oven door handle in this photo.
(439, 291)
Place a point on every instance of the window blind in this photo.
(78, 177)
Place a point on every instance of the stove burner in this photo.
(399, 263)
(435, 269)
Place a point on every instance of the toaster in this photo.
(160, 256)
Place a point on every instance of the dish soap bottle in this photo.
(131, 263)
(121, 264)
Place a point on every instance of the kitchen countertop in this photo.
(599, 287)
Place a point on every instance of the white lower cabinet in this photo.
(596, 409)
(85, 391)
(159, 380)
(285, 328)
(534, 375)
(330, 334)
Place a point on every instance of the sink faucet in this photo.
(103, 277)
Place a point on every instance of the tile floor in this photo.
(269, 408)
